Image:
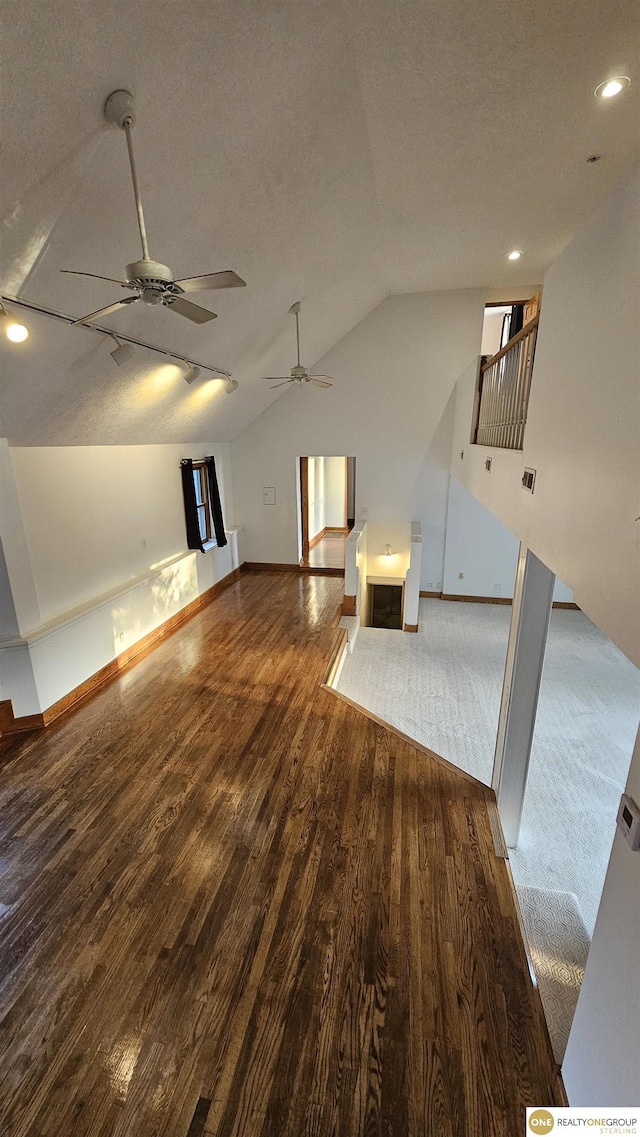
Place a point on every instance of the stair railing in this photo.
(504, 384)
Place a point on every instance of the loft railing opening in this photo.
(503, 391)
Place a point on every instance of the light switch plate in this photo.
(268, 495)
(628, 820)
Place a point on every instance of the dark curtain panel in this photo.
(214, 502)
(190, 510)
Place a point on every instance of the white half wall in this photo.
(393, 376)
(582, 433)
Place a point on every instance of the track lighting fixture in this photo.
(192, 372)
(125, 345)
(123, 352)
(12, 329)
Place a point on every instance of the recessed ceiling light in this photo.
(514, 255)
(612, 87)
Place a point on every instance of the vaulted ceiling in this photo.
(331, 151)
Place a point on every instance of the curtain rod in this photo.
(69, 320)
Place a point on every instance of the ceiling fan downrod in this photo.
(119, 111)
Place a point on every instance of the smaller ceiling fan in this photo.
(297, 374)
(152, 282)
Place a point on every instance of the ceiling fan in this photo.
(298, 374)
(152, 282)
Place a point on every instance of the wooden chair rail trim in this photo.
(308, 570)
(328, 531)
(499, 843)
(525, 331)
(318, 537)
(336, 659)
(116, 666)
(465, 598)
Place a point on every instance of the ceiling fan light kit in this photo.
(151, 280)
(298, 374)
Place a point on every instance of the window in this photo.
(203, 508)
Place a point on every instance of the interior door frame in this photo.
(304, 507)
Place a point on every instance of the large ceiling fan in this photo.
(297, 374)
(152, 282)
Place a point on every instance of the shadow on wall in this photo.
(175, 587)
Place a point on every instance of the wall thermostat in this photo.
(628, 820)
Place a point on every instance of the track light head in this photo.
(12, 329)
(122, 353)
(230, 385)
(192, 372)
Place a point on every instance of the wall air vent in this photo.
(529, 480)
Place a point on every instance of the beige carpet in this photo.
(559, 946)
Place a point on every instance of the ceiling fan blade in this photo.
(227, 279)
(108, 310)
(192, 311)
(319, 382)
(284, 381)
(94, 276)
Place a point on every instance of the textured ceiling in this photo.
(332, 152)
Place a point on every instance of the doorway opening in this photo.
(503, 321)
(385, 606)
(326, 509)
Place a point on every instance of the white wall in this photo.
(77, 555)
(335, 492)
(602, 1063)
(480, 547)
(430, 501)
(315, 488)
(492, 330)
(86, 511)
(393, 376)
(8, 618)
(582, 432)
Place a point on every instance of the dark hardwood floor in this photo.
(232, 905)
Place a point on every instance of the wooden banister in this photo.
(524, 331)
